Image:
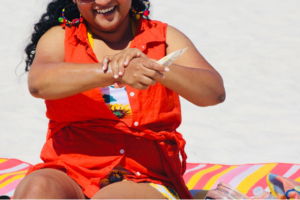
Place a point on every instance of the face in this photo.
(105, 15)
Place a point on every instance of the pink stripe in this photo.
(279, 169)
(190, 166)
(11, 176)
(189, 175)
(9, 164)
(226, 178)
(295, 175)
(10, 187)
(203, 181)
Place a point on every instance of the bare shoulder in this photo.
(50, 47)
(177, 40)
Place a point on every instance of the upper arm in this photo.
(176, 40)
(50, 49)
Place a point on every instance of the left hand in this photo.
(119, 61)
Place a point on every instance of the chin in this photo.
(109, 25)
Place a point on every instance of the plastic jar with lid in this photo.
(259, 193)
(225, 191)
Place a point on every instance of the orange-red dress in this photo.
(87, 140)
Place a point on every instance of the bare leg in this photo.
(48, 184)
(128, 190)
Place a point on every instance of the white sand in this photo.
(254, 44)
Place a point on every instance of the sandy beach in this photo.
(254, 45)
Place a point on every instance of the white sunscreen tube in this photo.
(171, 58)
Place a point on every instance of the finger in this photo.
(121, 65)
(115, 68)
(105, 62)
(147, 81)
(116, 85)
(155, 66)
(119, 85)
(129, 57)
(153, 74)
(141, 54)
(141, 86)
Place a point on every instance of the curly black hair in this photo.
(50, 19)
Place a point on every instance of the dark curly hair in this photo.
(50, 19)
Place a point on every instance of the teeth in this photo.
(105, 10)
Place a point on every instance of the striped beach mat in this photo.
(12, 171)
(197, 176)
(243, 177)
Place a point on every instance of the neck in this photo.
(121, 34)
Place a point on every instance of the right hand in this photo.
(142, 73)
(119, 61)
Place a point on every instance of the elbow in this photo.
(34, 87)
(221, 98)
(34, 92)
(212, 100)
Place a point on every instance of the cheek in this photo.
(85, 11)
(126, 4)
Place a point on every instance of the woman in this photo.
(120, 139)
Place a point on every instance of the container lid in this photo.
(271, 198)
(231, 191)
(258, 191)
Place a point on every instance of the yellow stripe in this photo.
(253, 178)
(297, 179)
(11, 180)
(212, 181)
(13, 173)
(271, 185)
(2, 160)
(193, 181)
(90, 37)
(165, 191)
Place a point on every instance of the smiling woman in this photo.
(113, 111)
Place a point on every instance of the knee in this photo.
(34, 186)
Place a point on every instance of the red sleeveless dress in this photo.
(87, 140)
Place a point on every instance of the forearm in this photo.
(59, 80)
(199, 86)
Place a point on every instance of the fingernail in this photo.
(120, 73)
(126, 62)
(167, 69)
(164, 76)
(115, 76)
(103, 68)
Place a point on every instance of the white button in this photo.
(132, 94)
(136, 123)
(122, 151)
(138, 174)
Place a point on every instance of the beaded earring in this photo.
(145, 12)
(64, 22)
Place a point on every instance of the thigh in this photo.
(48, 184)
(128, 190)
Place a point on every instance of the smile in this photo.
(103, 11)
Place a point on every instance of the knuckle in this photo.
(135, 75)
(154, 74)
(137, 67)
(153, 82)
(145, 87)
